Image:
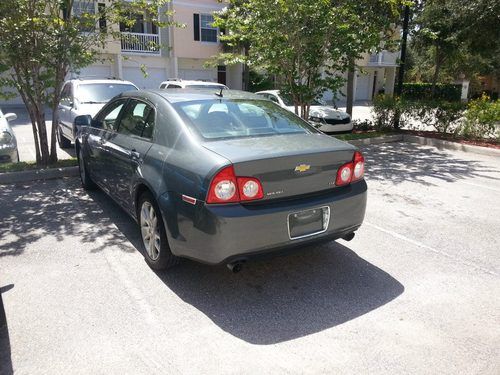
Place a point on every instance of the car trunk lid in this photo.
(286, 165)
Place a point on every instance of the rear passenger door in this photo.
(127, 148)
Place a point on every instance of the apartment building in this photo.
(183, 54)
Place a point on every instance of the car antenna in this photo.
(220, 93)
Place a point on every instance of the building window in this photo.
(208, 32)
(85, 11)
(221, 74)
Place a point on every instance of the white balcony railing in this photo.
(384, 58)
(140, 43)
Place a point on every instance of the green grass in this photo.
(352, 136)
(28, 166)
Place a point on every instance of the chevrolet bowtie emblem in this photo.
(302, 168)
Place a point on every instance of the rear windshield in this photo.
(101, 92)
(222, 119)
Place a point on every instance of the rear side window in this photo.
(137, 119)
(222, 119)
(172, 86)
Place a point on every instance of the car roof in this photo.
(276, 92)
(186, 95)
(84, 81)
(188, 82)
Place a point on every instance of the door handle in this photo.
(134, 155)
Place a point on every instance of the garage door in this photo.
(94, 71)
(363, 87)
(155, 76)
(198, 75)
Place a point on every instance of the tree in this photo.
(42, 40)
(305, 44)
(452, 37)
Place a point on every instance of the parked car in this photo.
(323, 117)
(220, 177)
(181, 84)
(8, 143)
(85, 97)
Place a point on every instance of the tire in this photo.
(157, 252)
(62, 140)
(87, 182)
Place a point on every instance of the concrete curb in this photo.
(447, 145)
(376, 140)
(40, 174)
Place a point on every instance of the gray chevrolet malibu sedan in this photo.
(220, 177)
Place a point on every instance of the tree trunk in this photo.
(246, 72)
(350, 87)
(437, 69)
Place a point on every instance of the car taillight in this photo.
(359, 166)
(227, 188)
(352, 171)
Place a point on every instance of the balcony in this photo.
(384, 58)
(140, 43)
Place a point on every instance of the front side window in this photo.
(223, 119)
(137, 119)
(208, 32)
(107, 119)
(66, 95)
(90, 93)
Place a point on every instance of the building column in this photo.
(174, 67)
(390, 80)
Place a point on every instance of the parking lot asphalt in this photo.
(417, 290)
(24, 135)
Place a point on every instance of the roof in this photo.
(192, 82)
(83, 81)
(183, 95)
(276, 92)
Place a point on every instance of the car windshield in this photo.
(223, 119)
(287, 99)
(101, 92)
(218, 87)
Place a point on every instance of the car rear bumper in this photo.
(221, 233)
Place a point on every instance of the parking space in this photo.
(24, 135)
(416, 291)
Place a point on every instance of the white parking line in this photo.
(436, 251)
(481, 186)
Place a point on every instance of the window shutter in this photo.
(196, 18)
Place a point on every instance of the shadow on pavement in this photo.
(5, 356)
(399, 162)
(271, 301)
(286, 297)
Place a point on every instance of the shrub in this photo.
(423, 91)
(482, 119)
(385, 110)
(442, 115)
(363, 125)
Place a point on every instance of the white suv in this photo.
(85, 97)
(180, 84)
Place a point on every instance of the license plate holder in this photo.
(308, 222)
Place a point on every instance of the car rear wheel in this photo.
(154, 238)
(87, 182)
(62, 140)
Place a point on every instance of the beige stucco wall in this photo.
(184, 44)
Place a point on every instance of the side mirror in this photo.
(10, 116)
(84, 120)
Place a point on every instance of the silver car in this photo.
(8, 142)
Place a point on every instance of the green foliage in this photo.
(305, 43)
(259, 81)
(443, 115)
(482, 119)
(422, 91)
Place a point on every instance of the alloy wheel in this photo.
(150, 230)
